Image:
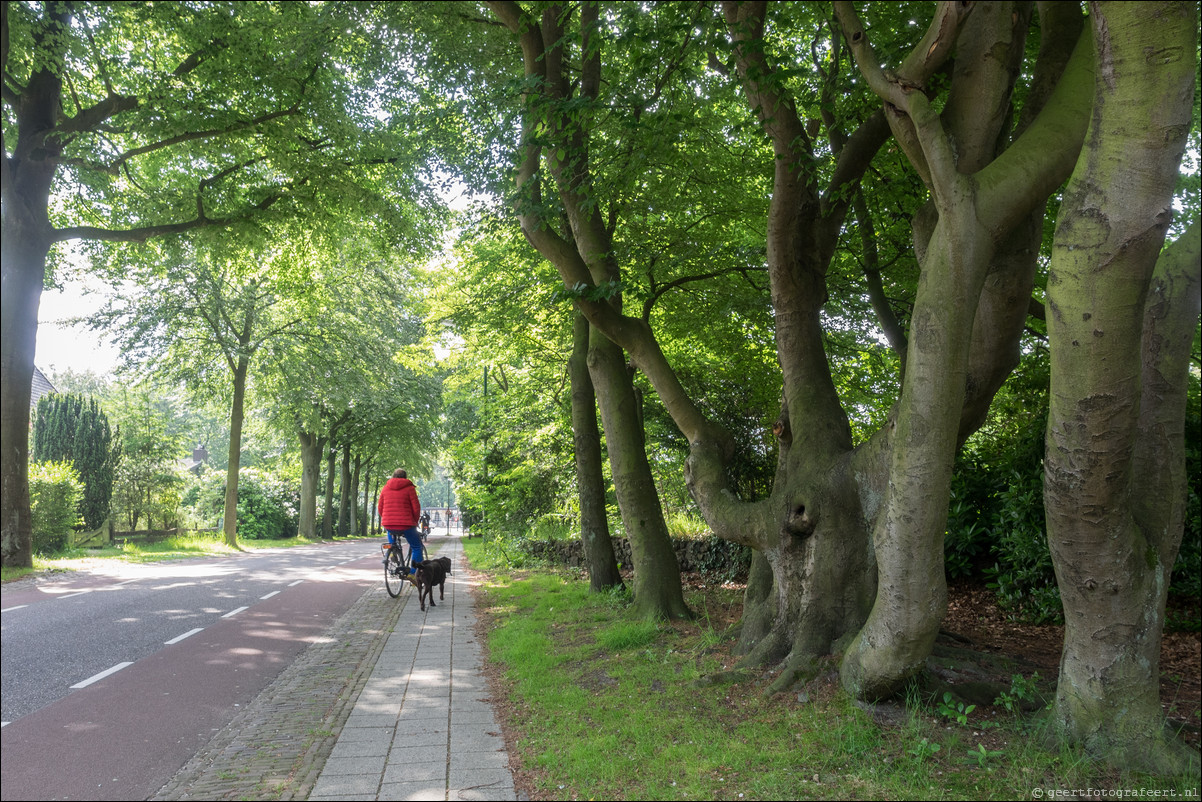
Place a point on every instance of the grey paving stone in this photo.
(466, 761)
(426, 772)
(481, 778)
(413, 791)
(377, 748)
(487, 793)
(360, 764)
(366, 735)
(413, 722)
(342, 786)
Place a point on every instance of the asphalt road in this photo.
(111, 683)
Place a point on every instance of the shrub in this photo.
(55, 491)
(966, 542)
(71, 429)
(268, 507)
(1187, 570)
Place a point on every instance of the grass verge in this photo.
(599, 704)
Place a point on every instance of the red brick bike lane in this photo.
(123, 736)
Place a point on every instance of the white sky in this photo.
(61, 347)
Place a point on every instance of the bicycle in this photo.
(396, 568)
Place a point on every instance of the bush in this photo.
(268, 507)
(55, 491)
(1187, 570)
(967, 540)
(1024, 578)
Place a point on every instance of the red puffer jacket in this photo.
(398, 505)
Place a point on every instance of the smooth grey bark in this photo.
(1121, 317)
(327, 518)
(237, 413)
(27, 179)
(590, 481)
(980, 192)
(311, 446)
(586, 257)
(345, 493)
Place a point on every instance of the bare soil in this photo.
(974, 615)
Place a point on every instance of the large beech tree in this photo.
(126, 121)
(1121, 320)
(850, 538)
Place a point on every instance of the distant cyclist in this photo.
(425, 525)
(400, 512)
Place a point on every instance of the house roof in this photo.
(41, 387)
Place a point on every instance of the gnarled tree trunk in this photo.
(1120, 325)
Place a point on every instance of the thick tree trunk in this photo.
(344, 493)
(590, 482)
(235, 459)
(311, 446)
(24, 256)
(27, 178)
(327, 519)
(911, 598)
(352, 527)
(1113, 477)
(658, 592)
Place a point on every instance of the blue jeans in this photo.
(414, 538)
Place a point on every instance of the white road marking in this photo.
(234, 612)
(101, 675)
(15, 607)
(269, 595)
(179, 638)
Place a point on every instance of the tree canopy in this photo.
(798, 248)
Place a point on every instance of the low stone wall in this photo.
(709, 555)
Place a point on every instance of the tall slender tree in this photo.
(134, 121)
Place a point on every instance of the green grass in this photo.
(173, 548)
(606, 705)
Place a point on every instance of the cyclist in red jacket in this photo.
(400, 511)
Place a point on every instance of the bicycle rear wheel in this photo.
(394, 572)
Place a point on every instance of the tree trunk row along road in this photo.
(110, 684)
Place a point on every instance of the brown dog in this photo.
(431, 573)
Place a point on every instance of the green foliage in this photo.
(55, 493)
(996, 525)
(1022, 692)
(686, 525)
(1187, 570)
(268, 507)
(1023, 577)
(952, 710)
(69, 428)
(575, 664)
(995, 514)
(149, 480)
(981, 756)
(968, 536)
(924, 749)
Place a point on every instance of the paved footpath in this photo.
(393, 706)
